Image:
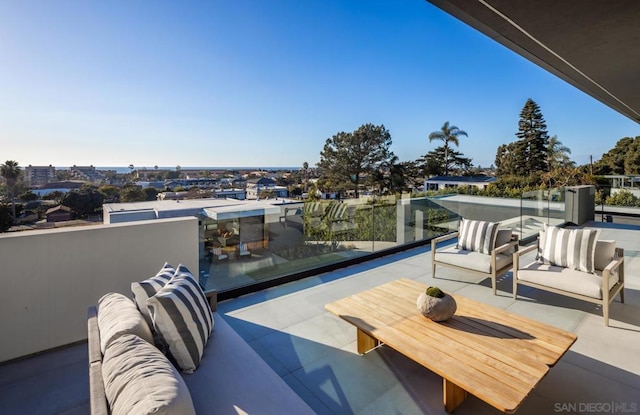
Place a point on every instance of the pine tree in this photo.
(533, 136)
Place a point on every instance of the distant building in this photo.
(59, 213)
(62, 187)
(86, 173)
(223, 223)
(621, 183)
(443, 182)
(39, 175)
(256, 186)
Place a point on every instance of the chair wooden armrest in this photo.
(443, 238)
(516, 258)
(525, 250)
(614, 265)
(505, 247)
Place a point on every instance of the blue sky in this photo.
(265, 83)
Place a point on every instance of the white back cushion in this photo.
(118, 315)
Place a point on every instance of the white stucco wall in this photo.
(50, 277)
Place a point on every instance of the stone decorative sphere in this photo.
(437, 308)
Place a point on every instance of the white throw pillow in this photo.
(571, 248)
(148, 288)
(478, 236)
(139, 379)
(118, 315)
(182, 319)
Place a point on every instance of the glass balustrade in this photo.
(293, 238)
(301, 238)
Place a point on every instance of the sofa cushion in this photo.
(570, 248)
(118, 315)
(148, 288)
(182, 318)
(605, 252)
(233, 379)
(565, 279)
(139, 379)
(471, 260)
(478, 236)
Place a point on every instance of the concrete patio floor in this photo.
(315, 352)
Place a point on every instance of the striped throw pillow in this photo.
(570, 248)
(182, 318)
(479, 236)
(148, 288)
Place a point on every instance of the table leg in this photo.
(454, 395)
(366, 342)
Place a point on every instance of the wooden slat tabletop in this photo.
(493, 354)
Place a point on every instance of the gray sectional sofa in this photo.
(133, 368)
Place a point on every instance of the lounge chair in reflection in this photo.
(217, 254)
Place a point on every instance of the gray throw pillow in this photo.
(182, 319)
(139, 379)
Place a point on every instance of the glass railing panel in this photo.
(556, 206)
(384, 224)
(292, 238)
(503, 210)
(534, 213)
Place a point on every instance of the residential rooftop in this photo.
(315, 352)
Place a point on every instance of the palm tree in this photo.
(447, 134)
(11, 171)
(305, 172)
(558, 154)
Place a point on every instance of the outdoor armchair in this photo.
(493, 261)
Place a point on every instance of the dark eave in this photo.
(592, 44)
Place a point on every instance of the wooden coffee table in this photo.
(497, 356)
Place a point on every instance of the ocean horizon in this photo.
(126, 169)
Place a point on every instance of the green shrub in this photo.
(623, 198)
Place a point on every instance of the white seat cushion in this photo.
(229, 362)
(471, 260)
(566, 279)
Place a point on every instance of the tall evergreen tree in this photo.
(618, 160)
(454, 159)
(346, 157)
(632, 158)
(534, 138)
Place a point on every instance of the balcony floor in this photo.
(315, 352)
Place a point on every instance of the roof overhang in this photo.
(235, 212)
(592, 44)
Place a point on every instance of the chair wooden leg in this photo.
(605, 313)
(494, 284)
(433, 270)
(622, 295)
